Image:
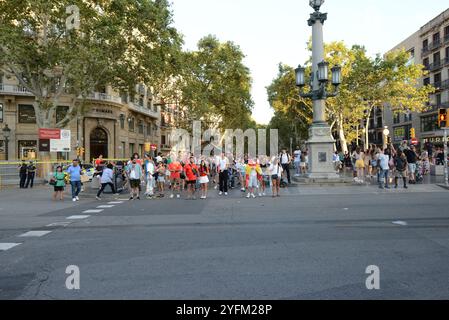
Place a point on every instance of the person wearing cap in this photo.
(31, 173)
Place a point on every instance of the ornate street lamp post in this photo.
(321, 142)
(6, 134)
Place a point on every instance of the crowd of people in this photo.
(390, 165)
(181, 175)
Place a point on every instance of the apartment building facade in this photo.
(115, 125)
(428, 46)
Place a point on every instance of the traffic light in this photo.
(412, 133)
(442, 118)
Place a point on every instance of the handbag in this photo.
(52, 182)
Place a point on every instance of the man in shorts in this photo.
(191, 172)
(175, 169)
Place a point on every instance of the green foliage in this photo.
(118, 43)
(216, 85)
(367, 83)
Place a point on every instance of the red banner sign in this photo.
(415, 141)
(47, 134)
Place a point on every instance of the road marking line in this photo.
(7, 246)
(59, 224)
(34, 234)
(400, 223)
(93, 211)
(105, 206)
(115, 202)
(77, 217)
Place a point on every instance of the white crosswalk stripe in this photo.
(115, 202)
(77, 217)
(93, 211)
(34, 234)
(7, 246)
(59, 224)
(105, 206)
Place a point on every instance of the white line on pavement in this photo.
(77, 217)
(106, 206)
(93, 211)
(34, 234)
(400, 223)
(7, 246)
(59, 224)
(115, 202)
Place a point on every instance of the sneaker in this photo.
(98, 198)
(220, 193)
(260, 195)
(172, 196)
(77, 199)
(264, 194)
(74, 199)
(248, 195)
(138, 198)
(253, 195)
(243, 190)
(226, 193)
(178, 196)
(131, 198)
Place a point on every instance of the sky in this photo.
(274, 31)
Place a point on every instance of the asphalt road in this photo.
(312, 243)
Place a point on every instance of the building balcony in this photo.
(165, 147)
(104, 97)
(441, 85)
(14, 90)
(143, 110)
(431, 47)
(437, 65)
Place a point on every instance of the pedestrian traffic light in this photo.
(442, 118)
(412, 133)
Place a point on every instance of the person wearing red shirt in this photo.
(191, 172)
(175, 169)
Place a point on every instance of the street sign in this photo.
(44, 145)
(54, 140)
(49, 134)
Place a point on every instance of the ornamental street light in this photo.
(6, 134)
(321, 141)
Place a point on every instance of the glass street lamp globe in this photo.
(336, 75)
(300, 76)
(323, 68)
(316, 4)
(386, 132)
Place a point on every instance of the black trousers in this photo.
(30, 179)
(23, 178)
(223, 178)
(286, 168)
(103, 186)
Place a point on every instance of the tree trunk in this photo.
(342, 136)
(367, 133)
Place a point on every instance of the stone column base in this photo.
(321, 150)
